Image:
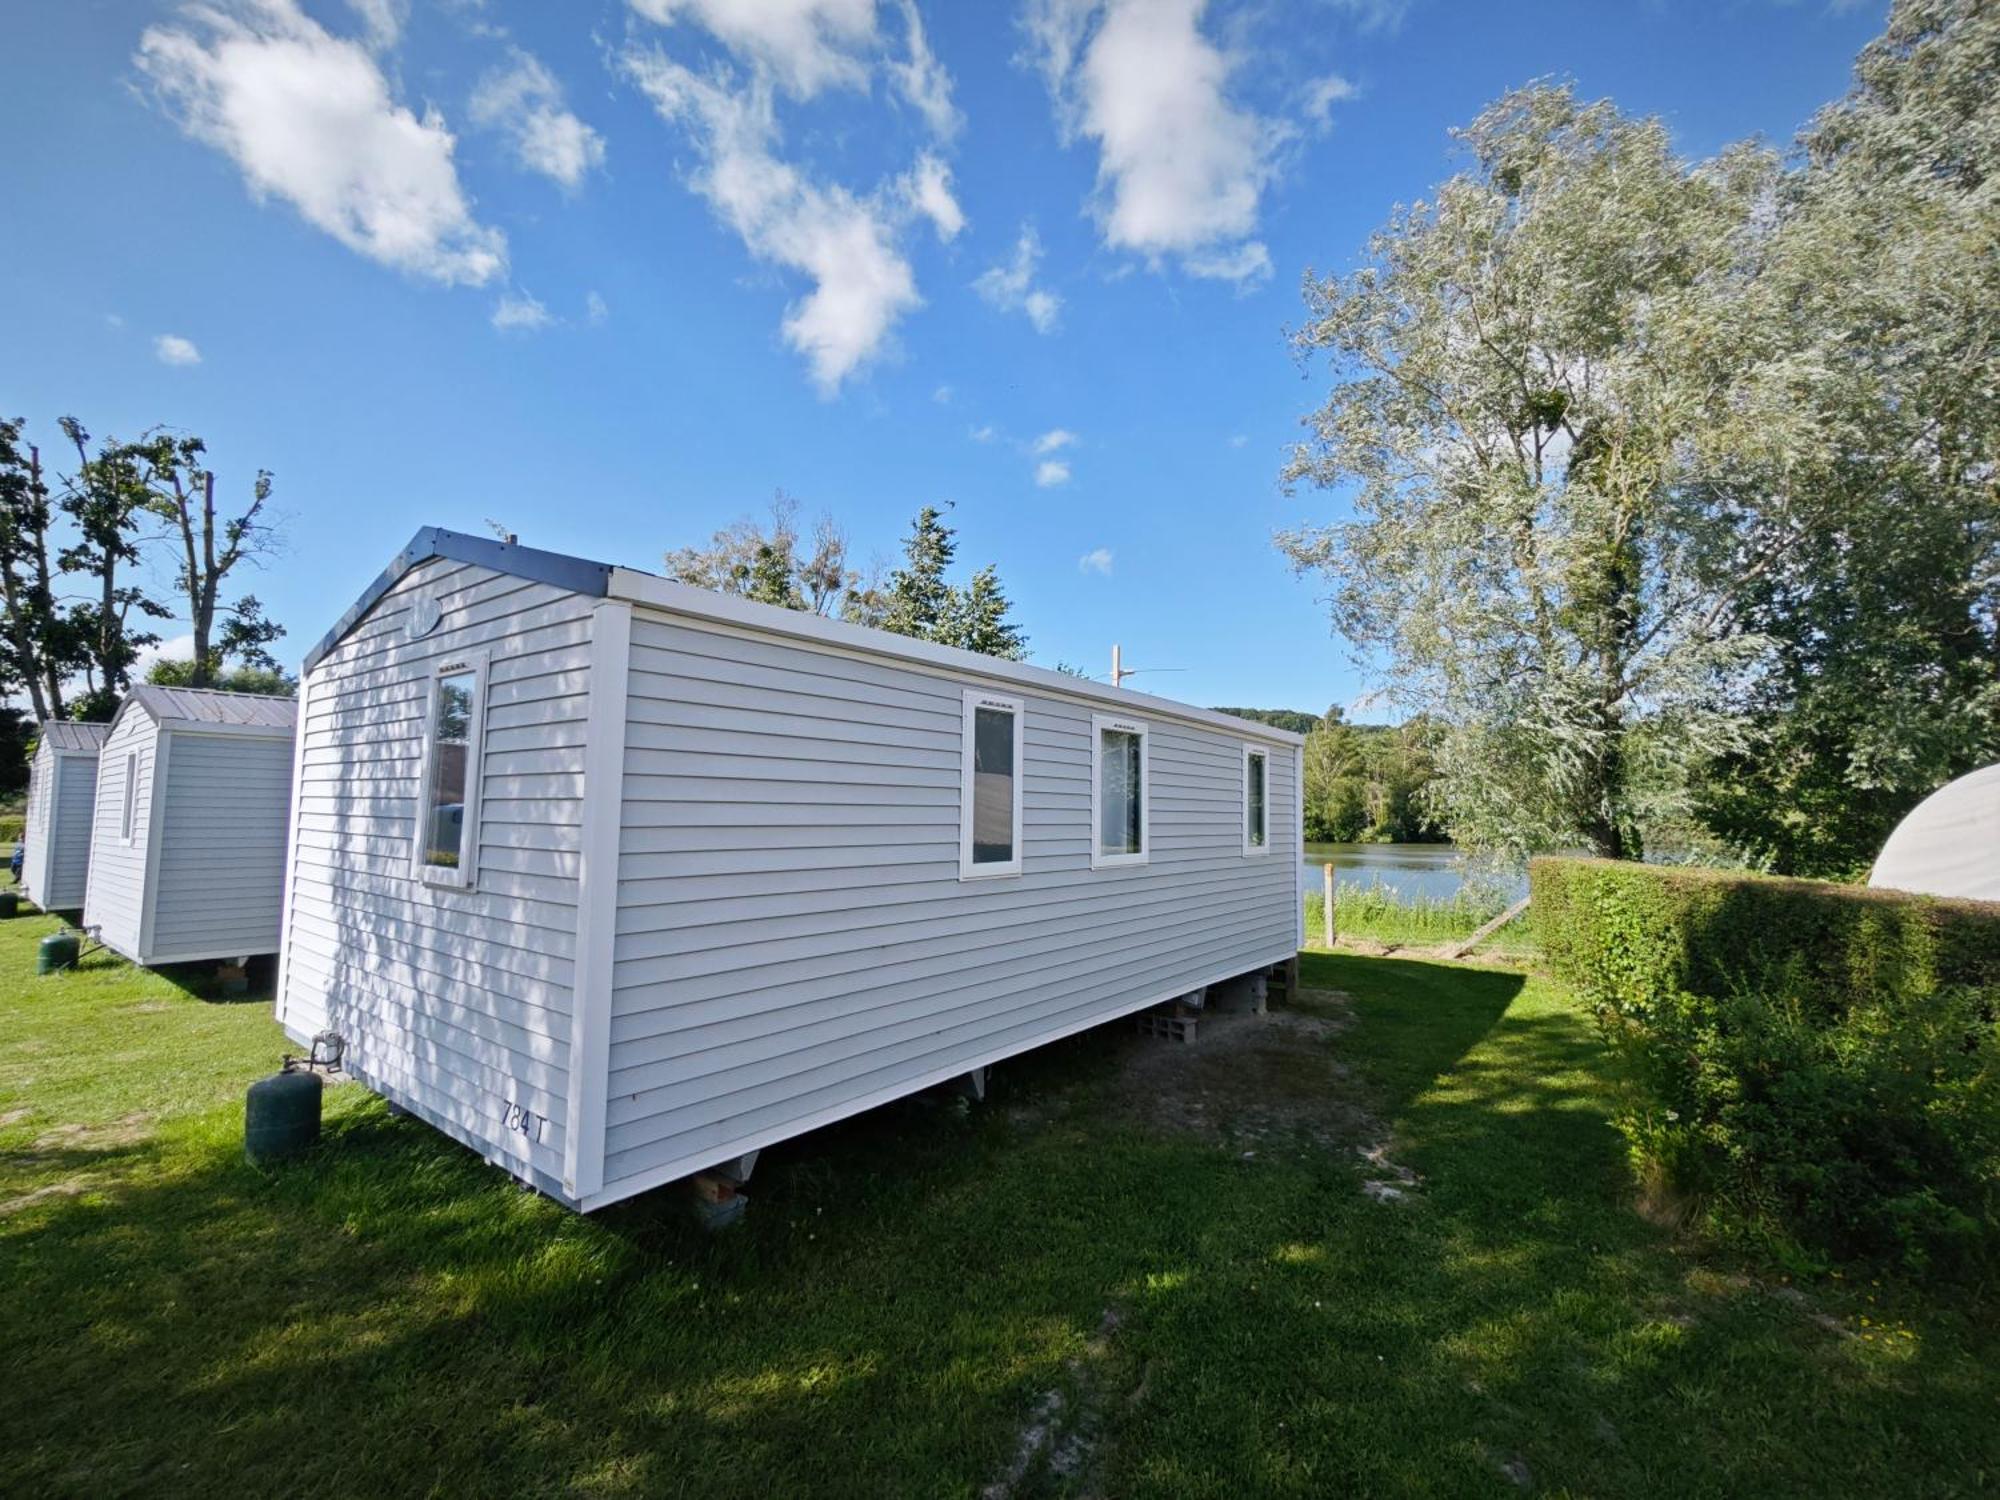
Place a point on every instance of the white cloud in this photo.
(594, 310)
(862, 285)
(113, 321)
(1053, 441)
(174, 648)
(1238, 440)
(1321, 96)
(308, 117)
(1375, 15)
(1181, 165)
(1051, 472)
(1011, 287)
(942, 395)
(926, 187)
(806, 45)
(383, 20)
(172, 349)
(517, 312)
(984, 434)
(922, 79)
(1097, 560)
(525, 102)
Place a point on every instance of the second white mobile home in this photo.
(187, 848)
(62, 794)
(614, 879)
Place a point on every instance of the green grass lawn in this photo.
(391, 1317)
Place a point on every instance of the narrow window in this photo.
(990, 798)
(131, 786)
(1118, 793)
(448, 812)
(1256, 801)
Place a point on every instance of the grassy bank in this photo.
(1210, 1308)
(1382, 914)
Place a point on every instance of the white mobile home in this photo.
(62, 790)
(615, 879)
(187, 849)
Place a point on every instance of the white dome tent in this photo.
(1949, 845)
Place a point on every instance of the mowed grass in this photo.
(391, 1317)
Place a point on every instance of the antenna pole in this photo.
(1118, 672)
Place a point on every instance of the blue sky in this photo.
(613, 272)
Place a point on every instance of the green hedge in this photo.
(1818, 1064)
(10, 830)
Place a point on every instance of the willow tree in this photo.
(1528, 373)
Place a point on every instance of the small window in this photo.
(131, 793)
(1118, 793)
(1256, 801)
(989, 841)
(447, 833)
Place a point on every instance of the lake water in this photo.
(1433, 870)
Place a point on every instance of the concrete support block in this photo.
(972, 1085)
(717, 1200)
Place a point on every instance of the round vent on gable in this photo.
(425, 616)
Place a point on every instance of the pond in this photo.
(1432, 870)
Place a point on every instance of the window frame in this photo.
(464, 875)
(975, 699)
(1099, 860)
(1252, 850)
(128, 819)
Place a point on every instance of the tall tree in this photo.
(207, 547)
(106, 499)
(918, 597)
(1875, 320)
(1526, 369)
(769, 561)
(34, 646)
(975, 619)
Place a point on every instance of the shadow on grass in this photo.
(908, 1286)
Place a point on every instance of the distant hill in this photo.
(1277, 718)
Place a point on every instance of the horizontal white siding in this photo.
(66, 837)
(456, 1002)
(115, 893)
(220, 872)
(793, 939)
(35, 827)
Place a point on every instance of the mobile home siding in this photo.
(454, 1002)
(792, 939)
(114, 900)
(220, 868)
(35, 853)
(65, 836)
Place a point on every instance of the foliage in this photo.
(1381, 913)
(1677, 482)
(1527, 368)
(1282, 718)
(12, 825)
(37, 649)
(1368, 782)
(1808, 1060)
(265, 681)
(106, 500)
(769, 562)
(17, 736)
(975, 619)
(1875, 318)
(209, 548)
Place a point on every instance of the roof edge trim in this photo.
(573, 573)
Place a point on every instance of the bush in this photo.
(11, 825)
(1813, 1063)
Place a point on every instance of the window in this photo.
(1256, 801)
(1118, 793)
(447, 818)
(131, 792)
(989, 839)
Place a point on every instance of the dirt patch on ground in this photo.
(1252, 1082)
(14, 1116)
(69, 1189)
(126, 1130)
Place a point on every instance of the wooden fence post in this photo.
(1326, 878)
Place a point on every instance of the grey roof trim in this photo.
(573, 573)
(72, 736)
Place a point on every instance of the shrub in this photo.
(1811, 1062)
(11, 825)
